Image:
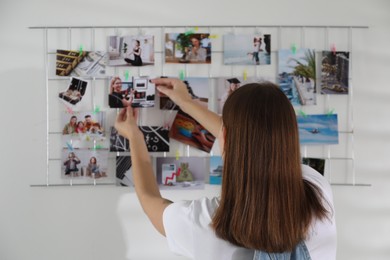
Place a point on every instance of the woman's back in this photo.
(188, 228)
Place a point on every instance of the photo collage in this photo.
(88, 138)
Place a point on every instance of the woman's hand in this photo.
(126, 123)
(175, 89)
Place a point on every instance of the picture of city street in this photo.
(297, 76)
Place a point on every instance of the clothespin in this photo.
(69, 110)
(98, 146)
(126, 73)
(333, 48)
(69, 145)
(96, 110)
(81, 50)
(177, 155)
(294, 48)
(245, 76)
(181, 75)
(330, 112)
(301, 113)
(213, 36)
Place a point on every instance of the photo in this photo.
(135, 50)
(297, 76)
(198, 88)
(84, 129)
(137, 92)
(334, 72)
(188, 48)
(216, 166)
(315, 163)
(226, 86)
(124, 175)
(156, 139)
(81, 64)
(84, 163)
(250, 49)
(184, 173)
(75, 91)
(318, 129)
(187, 130)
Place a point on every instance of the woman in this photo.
(197, 52)
(70, 128)
(137, 54)
(118, 98)
(269, 202)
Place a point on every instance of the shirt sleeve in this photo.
(177, 220)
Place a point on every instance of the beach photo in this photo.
(335, 72)
(188, 48)
(318, 129)
(183, 173)
(216, 166)
(297, 76)
(247, 49)
(133, 50)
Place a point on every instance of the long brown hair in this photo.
(265, 203)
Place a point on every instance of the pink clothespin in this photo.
(333, 48)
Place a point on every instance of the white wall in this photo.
(84, 222)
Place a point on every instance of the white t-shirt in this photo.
(188, 231)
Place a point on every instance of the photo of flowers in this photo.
(297, 76)
(188, 48)
(135, 50)
(216, 166)
(184, 173)
(318, 129)
(335, 72)
(247, 49)
(187, 130)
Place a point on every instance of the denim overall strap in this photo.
(300, 252)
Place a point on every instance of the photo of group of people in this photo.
(84, 129)
(84, 163)
(136, 91)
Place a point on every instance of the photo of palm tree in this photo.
(297, 76)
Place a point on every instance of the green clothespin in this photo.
(330, 112)
(96, 110)
(294, 48)
(127, 75)
(98, 146)
(81, 50)
(301, 113)
(181, 75)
